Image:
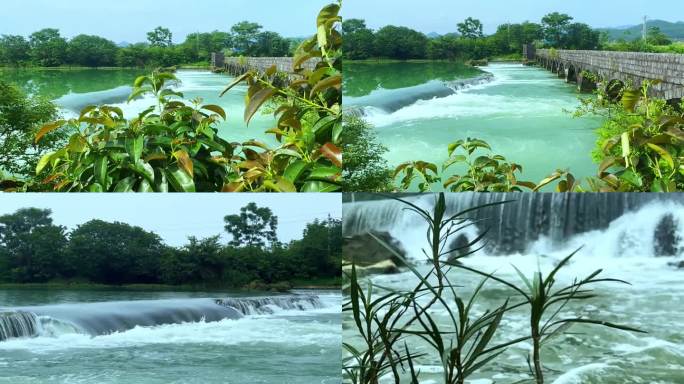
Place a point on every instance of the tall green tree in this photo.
(48, 48)
(555, 27)
(253, 227)
(580, 36)
(31, 246)
(319, 249)
(160, 37)
(200, 261)
(92, 51)
(656, 37)
(245, 35)
(359, 41)
(20, 118)
(270, 44)
(470, 28)
(400, 43)
(14, 50)
(115, 253)
(365, 168)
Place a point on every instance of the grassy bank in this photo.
(318, 283)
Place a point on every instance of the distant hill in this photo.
(673, 30)
(123, 44)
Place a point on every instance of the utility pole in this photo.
(643, 29)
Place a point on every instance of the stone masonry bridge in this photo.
(238, 65)
(611, 66)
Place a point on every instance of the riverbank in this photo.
(319, 283)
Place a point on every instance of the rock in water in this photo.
(364, 250)
(665, 239)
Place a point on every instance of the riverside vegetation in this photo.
(35, 250)
(173, 145)
(47, 48)
(385, 319)
(555, 30)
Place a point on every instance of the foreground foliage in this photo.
(175, 146)
(483, 173)
(35, 250)
(387, 321)
(20, 117)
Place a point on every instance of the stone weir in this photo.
(236, 66)
(635, 67)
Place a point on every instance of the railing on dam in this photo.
(632, 67)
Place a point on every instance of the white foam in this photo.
(575, 375)
(225, 332)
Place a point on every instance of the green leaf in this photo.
(100, 170)
(47, 128)
(319, 186)
(663, 153)
(631, 177)
(295, 169)
(216, 109)
(43, 162)
(179, 180)
(134, 147)
(256, 101)
(325, 173)
(125, 185)
(236, 82)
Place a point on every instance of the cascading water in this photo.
(18, 324)
(117, 316)
(388, 101)
(268, 305)
(530, 220)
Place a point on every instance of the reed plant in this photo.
(387, 321)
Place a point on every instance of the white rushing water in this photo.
(294, 336)
(625, 248)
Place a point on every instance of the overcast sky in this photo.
(441, 16)
(130, 20)
(174, 217)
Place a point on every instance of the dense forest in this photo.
(555, 30)
(47, 48)
(35, 250)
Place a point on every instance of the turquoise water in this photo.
(522, 112)
(72, 90)
(297, 345)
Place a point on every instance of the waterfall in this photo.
(514, 226)
(18, 324)
(266, 305)
(386, 101)
(118, 316)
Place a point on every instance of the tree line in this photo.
(48, 48)
(35, 250)
(555, 30)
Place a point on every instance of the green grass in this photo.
(314, 283)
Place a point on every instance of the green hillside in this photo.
(674, 30)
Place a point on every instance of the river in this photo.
(73, 89)
(524, 113)
(635, 237)
(61, 336)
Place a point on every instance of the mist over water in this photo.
(635, 237)
(522, 112)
